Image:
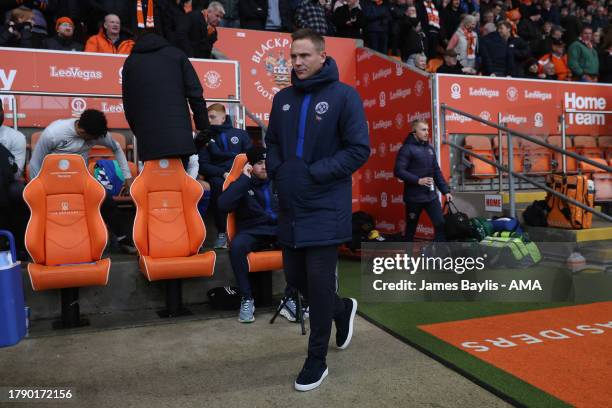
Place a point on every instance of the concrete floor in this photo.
(221, 363)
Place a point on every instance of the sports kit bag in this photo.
(506, 224)
(456, 224)
(563, 214)
(536, 213)
(509, 250)
(481, 228)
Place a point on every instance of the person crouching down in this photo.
(256, 209)
(416, 165)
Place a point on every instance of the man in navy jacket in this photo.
(416, 165)
(256, 206)
(216, 161)
(317, 137)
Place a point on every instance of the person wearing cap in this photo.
(317, 138)
(64, 38)
(452, 66)
(216, 160)
(252, 198)
(558, 58)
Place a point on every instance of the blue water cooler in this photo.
(12, 311)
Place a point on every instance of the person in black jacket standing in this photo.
(416, 165)
(196, 32)
(155, 100)
(317, 137)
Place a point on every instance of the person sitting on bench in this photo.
(256, 207)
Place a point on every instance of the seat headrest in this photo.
(163, 174)
(63, 174)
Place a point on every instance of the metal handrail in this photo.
(537, 141)
(527, 179)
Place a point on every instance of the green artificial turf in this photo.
(402, 319)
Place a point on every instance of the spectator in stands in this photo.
(198, 31)
(378, 18)
(253, 14)
(558, 59)
(416, 165)
(312, 174)
(14, 212)
(452, 66)
(173, 14)
(414, 39)
(78, 136)
(311, 14)
(497, 57)
(397, 9)
(451, 17)
(217, 159)
(487, 18)
(529, 28)
(279, 16)
(544, 44)
(159, 87)
(600, 18)
(532, 69)
(110, 39)
(597, 39)
(582, 57)
(17, 31)
(520, 53)
(550, 13)
(231, 18)
(548, 72)
(252, 197)
(418, 61)
(429, 15)
(465, 42)
(348, 19)
(79, 12)
(605, 58)
(571, 24)
(64, 39)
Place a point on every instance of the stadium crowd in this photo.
(545, 39)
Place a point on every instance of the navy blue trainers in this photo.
(344, 325)
(312, 375)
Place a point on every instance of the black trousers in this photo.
(117, 221)
(434, 210)
(242, 244)
(313, 272)
(216, 188)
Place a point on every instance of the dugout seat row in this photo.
(531, 158)
(66, 235)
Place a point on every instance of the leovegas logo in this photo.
(399, 94)
(547, 335)
(75, 73)
(369, 103)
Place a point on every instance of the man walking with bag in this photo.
(416, 165)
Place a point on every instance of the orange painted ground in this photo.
(566, 352)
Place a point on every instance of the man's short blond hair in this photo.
(417, 121)
(217, 107)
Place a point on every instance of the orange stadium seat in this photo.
(168, 229)
(587, 146)
(605, 144)
(66, 234)
(259, 261)
(538, 159)
(570, 162)
(518, 156)
(480, 145)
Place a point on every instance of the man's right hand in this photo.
(247, 170)
(426, 181)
